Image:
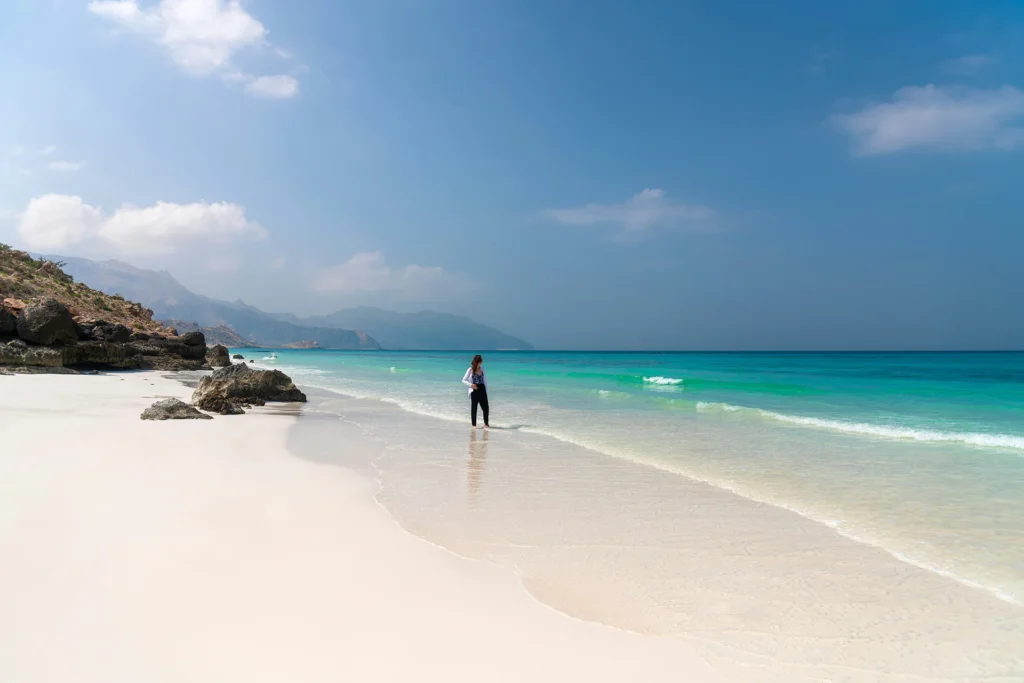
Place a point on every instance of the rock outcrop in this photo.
(18, 353)
(55, 324)
(8, 323)
(47, 322)
(238, 356)
(239, 385)
(217, 356)
(172, 409)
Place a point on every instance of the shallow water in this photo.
(921, 455)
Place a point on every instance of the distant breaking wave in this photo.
(663, 380)
(883, 431)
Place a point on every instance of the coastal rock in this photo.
(238, 356)
(17, 352)
(111, 333)
(104, 353)
(221, 406)
(85, 330)
(46, 323)
(172, 409)
(195, 338)
(239, 384)
(218, 356)
(8, 322)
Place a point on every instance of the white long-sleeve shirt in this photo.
(467, 379)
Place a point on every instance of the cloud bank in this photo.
(202, 37)
(937, 117)
(58, 222)
(369, 272)
(647, 209)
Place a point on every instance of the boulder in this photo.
(238, 356)
(85, 330)
(196, 338)
(222, 406)
(8, 323)
(172, 409)
(116, 332)
(47, 323)
(239, 384)
(218, 356)
(17, 352)
(139, 336)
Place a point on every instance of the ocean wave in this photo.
(1011, 441)
(663, 381)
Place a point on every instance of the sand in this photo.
(195, 551)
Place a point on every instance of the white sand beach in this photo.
(202, 551)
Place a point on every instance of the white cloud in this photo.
(969, 65)
(201, 36)
(49, 149)
(647, 209)
(369, 272)
(55, 221)
(273, 87)
(65, 166)
(950, 118)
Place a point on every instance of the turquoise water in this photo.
(920, 454)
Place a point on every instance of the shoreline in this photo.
(768, 595)
(842, 586)
(832, 525)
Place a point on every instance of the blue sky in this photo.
(685, 175)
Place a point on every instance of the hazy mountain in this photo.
(170, 300)
(422, 330)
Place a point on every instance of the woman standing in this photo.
(477, 383)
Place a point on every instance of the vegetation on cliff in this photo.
(25, 281)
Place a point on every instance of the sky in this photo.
(687, 174)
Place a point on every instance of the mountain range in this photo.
(355, 328)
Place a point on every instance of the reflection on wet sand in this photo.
(475, 467)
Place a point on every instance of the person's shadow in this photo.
(475, 466)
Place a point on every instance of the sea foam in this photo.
(878, 430)
(664, 381)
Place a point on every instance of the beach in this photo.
(205, 551)
(352, 539)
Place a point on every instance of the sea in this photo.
(918, 454)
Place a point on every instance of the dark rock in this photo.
(218, 356)
(104, 353)
(238, 356)
(46, 323)
(85, 330)
(241, 384)
(172, 409)
(223, 406)
(111, 333)
(18, 353)
(193, 339)
(8, 322)
(139, 336)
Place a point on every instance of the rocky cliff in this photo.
(48, 321)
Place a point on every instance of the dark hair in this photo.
(477, 360)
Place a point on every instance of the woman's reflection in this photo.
(475, 467)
